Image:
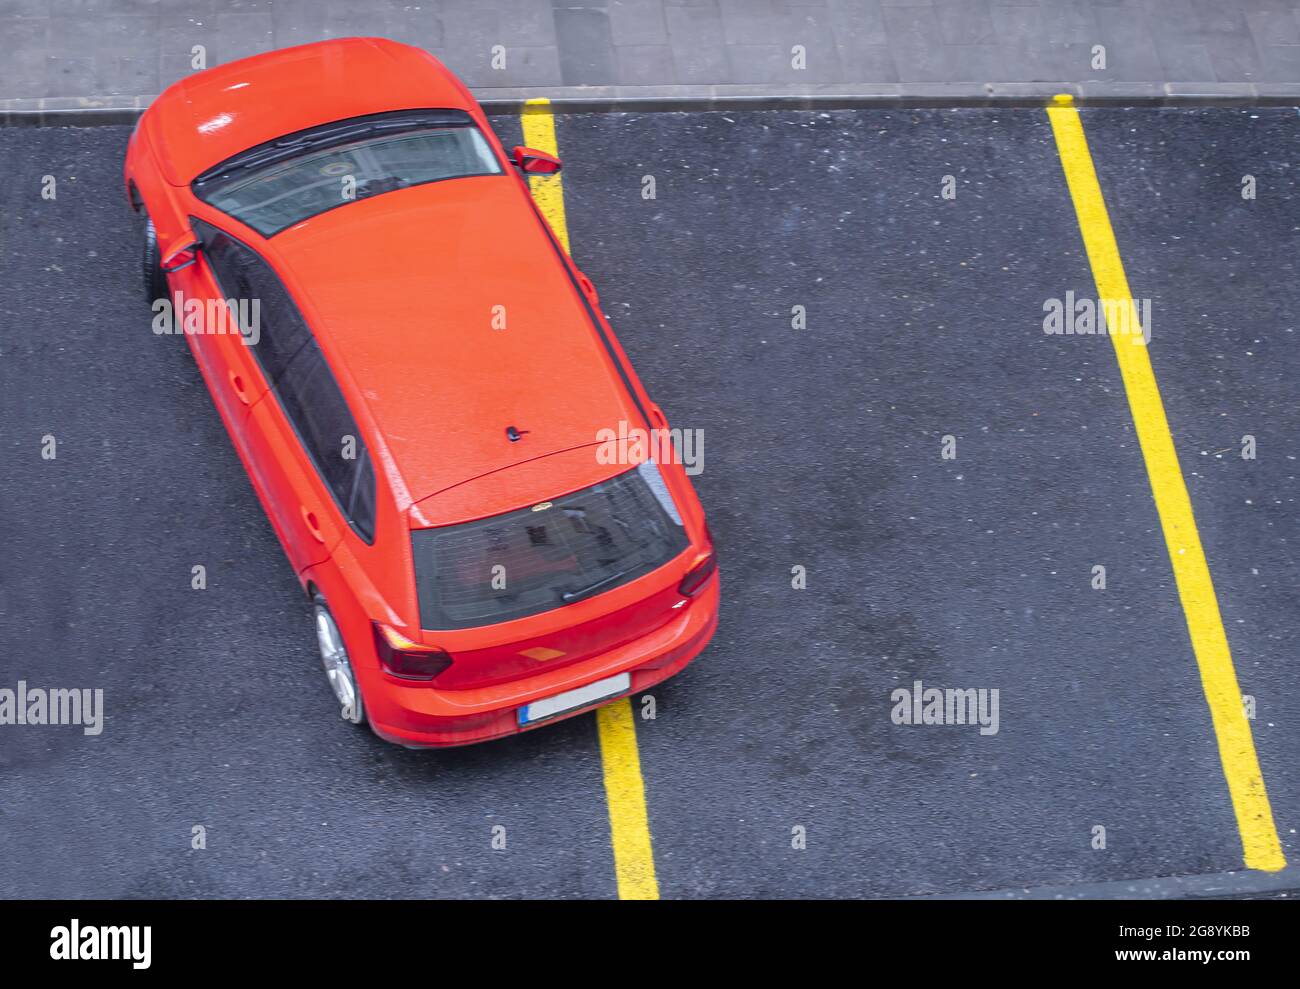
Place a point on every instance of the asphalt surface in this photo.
(924, 319)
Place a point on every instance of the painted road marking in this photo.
(1259, 839)
(629, 826)
(548, 190)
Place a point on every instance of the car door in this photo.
(231, 326)
(323, 481)
(304, 451)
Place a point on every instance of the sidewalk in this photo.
(120, 53)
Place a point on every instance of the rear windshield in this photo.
(275, 185)
(552, 554)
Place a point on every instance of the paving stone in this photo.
(586, 46)
(111, 45)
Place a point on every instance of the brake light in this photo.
(409, 660)
(698, 575)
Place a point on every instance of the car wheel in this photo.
(338, 668)
(155, 282)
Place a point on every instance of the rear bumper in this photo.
(425, 717)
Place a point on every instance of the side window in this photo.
(362, 509)
(314, 404)
(244, 277)
(296, 369)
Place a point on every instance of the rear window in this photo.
(552, 554)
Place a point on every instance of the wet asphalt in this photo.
(822, 451)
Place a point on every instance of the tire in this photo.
(155, 282)
(338, 666)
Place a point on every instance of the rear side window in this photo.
(244, 277)
(295, 368)
(361, 508)
(543, 557)
(315, 405)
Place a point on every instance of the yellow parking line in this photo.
(1259, 840)
(548, 190)
(629, 827)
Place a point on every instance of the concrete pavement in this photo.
(120, 53)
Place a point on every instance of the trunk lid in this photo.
(551, 583)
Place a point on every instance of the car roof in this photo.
(205, 118)
(402, 290)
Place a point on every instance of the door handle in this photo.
(313, 524)
(589, 287)
(237, 383)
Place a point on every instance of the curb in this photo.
(92, 112)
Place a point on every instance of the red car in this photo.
(417, 379)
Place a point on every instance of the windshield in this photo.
(283, 182)
(554, 553)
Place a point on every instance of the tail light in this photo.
(409, 660)
(698, 575)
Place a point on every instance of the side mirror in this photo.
(530, 161)
(182, 257)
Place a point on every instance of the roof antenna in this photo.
(515, 435)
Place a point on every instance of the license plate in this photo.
(548, 707)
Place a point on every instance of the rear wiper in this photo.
(570, 596)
